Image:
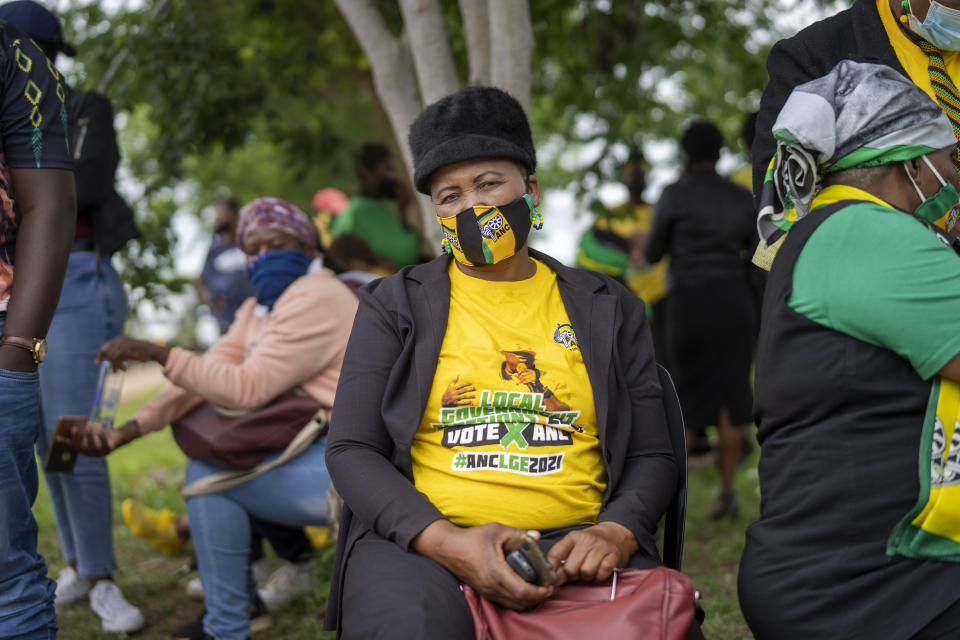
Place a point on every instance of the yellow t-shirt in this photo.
(915, 61)
(509, 434)
(743, 177)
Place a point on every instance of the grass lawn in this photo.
(151, 470)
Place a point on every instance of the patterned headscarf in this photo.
(276, 214)
(858, 115)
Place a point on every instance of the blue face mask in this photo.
(272, 272)
(941, 27)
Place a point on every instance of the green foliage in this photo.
(251, 98)
(644, 69)
(262, 97)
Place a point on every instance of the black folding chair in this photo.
(675, 516)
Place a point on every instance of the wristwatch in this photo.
(36, 346)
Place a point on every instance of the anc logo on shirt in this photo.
(565, 336)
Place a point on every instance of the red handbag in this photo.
(653, 604)
(241, 441)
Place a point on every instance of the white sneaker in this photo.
(116, 614)
(71, 588)
(260, 570)
(287, 582)
(195, 589)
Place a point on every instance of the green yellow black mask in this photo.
(487, 235)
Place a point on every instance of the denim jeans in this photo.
(293, 494)
(26, 594)
(92, 310)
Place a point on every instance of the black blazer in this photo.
(854, 34)
(386, 378)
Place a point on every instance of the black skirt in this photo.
(710, 336)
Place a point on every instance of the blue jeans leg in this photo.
(293, 495)
(26, 594)
(92, 310)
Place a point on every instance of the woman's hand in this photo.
(97, 442)
(591, 554)
(120, 349)
(475, 556)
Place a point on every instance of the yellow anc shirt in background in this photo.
(649, 282)
(509, 434)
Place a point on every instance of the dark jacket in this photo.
(839, 422)
(854, 34)
(93, 144)
(707, 225)
(386, 379)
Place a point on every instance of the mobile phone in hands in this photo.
(62, 457)
(527, 560)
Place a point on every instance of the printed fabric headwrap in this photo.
(858, 115)
(276, 214)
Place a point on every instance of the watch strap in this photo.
(30, 344)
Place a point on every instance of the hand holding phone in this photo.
(61, 457)
(525, 557)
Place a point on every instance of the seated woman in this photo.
(293, 334)
(485, 394)
(857, 370)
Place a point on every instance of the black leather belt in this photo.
(85, 244)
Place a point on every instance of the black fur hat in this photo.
(476, 122)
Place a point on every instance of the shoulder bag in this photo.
(654, 604)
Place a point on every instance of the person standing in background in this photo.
(92, 308)
(223, 284)
(614, 245)
(919, 39)
(327, 204)
(381, 213)
(706, 224)
(36, 231)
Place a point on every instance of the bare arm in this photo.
(48, 209)
(951, 370)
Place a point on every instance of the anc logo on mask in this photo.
(450, 237)
(565, 336)
(493, 227)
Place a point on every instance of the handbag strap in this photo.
(223, 480)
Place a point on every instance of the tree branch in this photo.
(476, 24)
(511, 36)
(121, 57)
(432, 60)
(393, 79)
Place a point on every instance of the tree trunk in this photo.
(432, 60)
(393, 79)
(476, 25)
(502, 26)
(511, 37)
